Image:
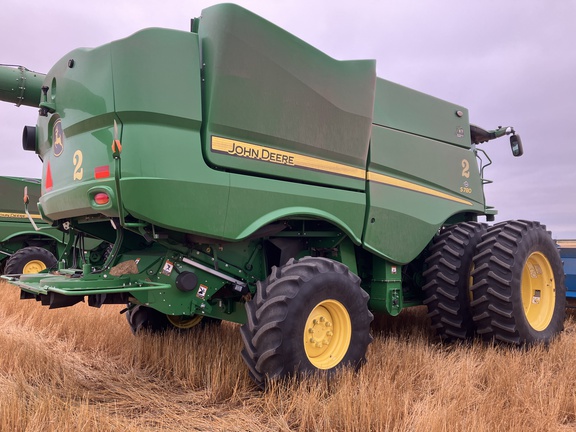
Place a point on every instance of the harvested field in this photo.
(81, 368)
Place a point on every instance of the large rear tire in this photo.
(309, 315)
(29, 260)
(519, 296)
(447, 280)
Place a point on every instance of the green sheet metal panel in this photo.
(255, 202)
(441, 167)
(411, 111)
(159, 101)
(12, 194)
(157, 79)
(415, 185)
(267, 90)
(13, 220)
(75, 137)
(157, 107)
(191, 198)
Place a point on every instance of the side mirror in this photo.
(516, 145)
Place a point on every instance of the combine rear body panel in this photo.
(27, 243)
(243, 175)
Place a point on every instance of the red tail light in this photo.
(101, 198)
(102, 172)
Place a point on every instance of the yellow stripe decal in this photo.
(280, 157)
(391, 181)
(18, 215)
(269, 154)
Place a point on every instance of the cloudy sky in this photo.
(510, 62)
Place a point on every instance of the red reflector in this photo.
(102, 172)
(101, 198)
(48, 179)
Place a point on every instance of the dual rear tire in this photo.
(447, 285)
(519, 294)
(504, 283)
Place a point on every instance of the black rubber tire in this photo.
(20, 260)
(143, 318)
(447, 280)
(508, 250)
(273, 335)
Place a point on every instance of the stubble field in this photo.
(81, 369)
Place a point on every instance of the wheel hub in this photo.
(327, 334)
(183, 321)
(320, 329)
(538, 291)
(34, 266)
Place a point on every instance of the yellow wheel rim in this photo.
(184, 321)
(327, 334)
(34, 266)
(538, 291)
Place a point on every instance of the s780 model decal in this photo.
(267, 154)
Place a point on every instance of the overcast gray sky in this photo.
(510, 62)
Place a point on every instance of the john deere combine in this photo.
(243, 175)
(22, 248)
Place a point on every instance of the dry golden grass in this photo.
(81, 368)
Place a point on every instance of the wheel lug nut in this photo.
(329, 334)
(322, 319)
(312, 340)
(319, 345)
(328, 324)
(314, 321)
(310, 330)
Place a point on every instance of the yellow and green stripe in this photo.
(268, 154)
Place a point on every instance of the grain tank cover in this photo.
(407, 110)
(266, 87)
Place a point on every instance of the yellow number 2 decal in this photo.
(77, 161)
(465, 168)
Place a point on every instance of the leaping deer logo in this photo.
(57, 138)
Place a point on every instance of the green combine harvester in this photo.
(242, 175)
(23, 249)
